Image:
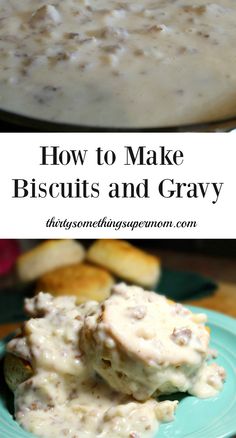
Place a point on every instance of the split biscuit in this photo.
(85, 281)
(47, 256)
(126, 261)
(142, 344)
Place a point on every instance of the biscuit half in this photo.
(140, 343)
(126, 261)
(47, 256)
(83, 280)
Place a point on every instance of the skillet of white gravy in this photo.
(118, 63)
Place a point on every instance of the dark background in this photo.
(214, 247)
(214, 258)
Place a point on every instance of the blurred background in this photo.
(197, 272)
(215, 258)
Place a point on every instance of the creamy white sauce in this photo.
(66, 398)
(142, 343)
(91, 409)
(118, 63)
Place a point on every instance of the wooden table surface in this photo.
(223, 300)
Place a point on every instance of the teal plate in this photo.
(195, 418)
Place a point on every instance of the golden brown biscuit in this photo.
(85, 281)
(16, 370)
(47, 256)
(126, 261)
